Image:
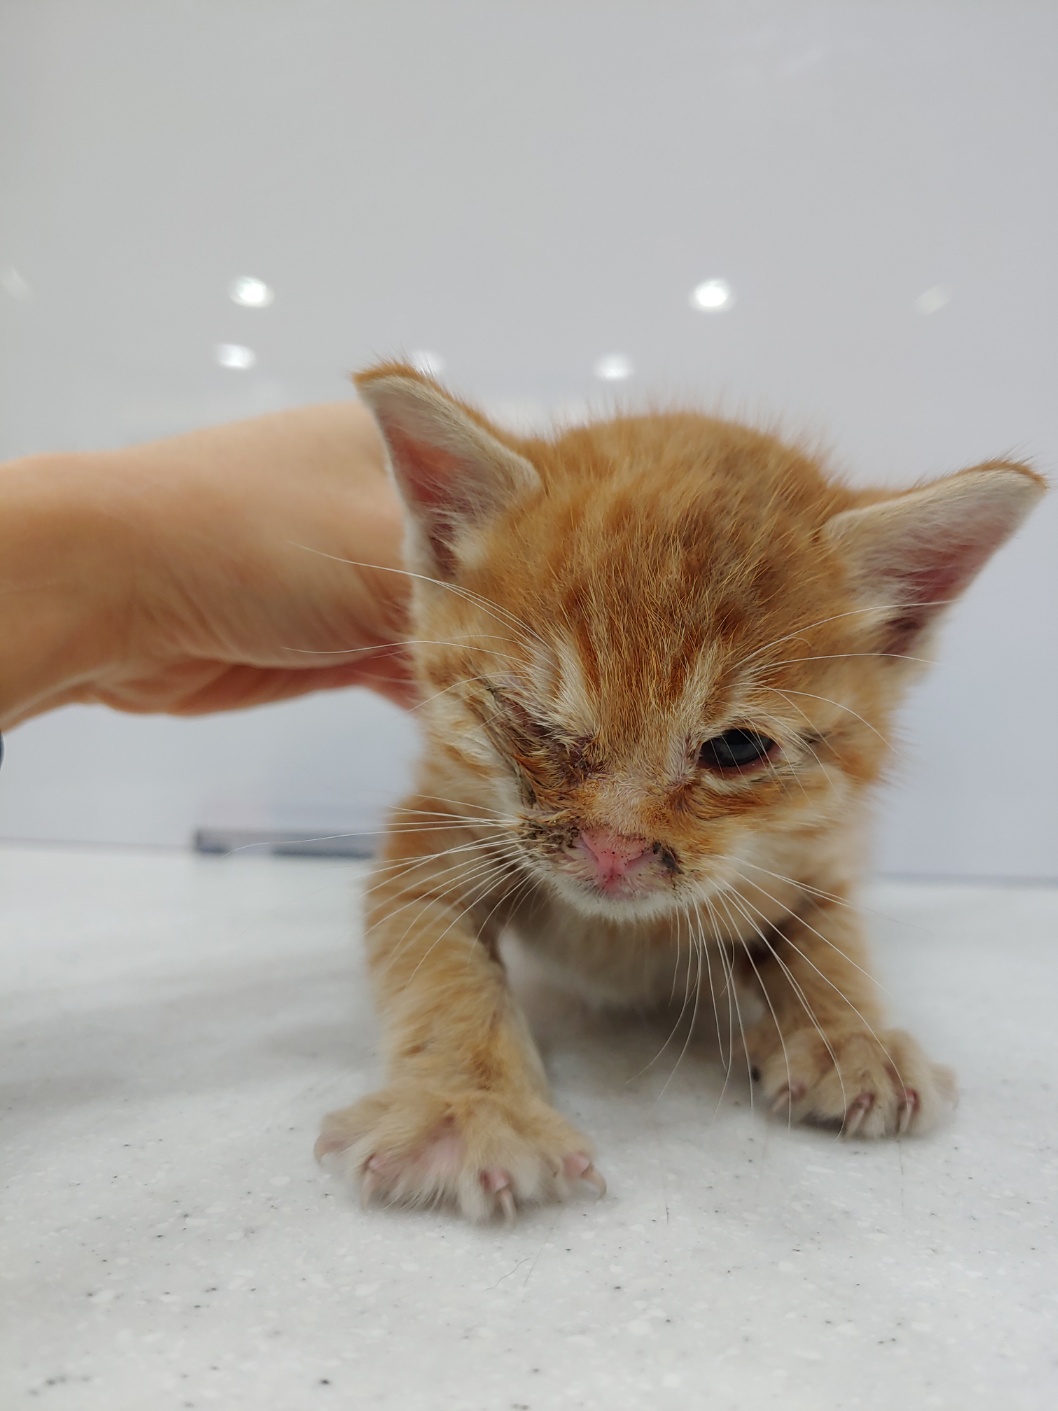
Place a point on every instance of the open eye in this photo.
(735, 750)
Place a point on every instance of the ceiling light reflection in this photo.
(614, 367)
(432, 364)
(251, 292)
(234, 355)
(712, 295)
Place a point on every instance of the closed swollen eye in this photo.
(736, 751)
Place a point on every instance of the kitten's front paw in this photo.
(473, 1150)
(865, 1085)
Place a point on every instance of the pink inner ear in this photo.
(429, 472)
(943, 572)
(432, 481)
(925, 594)
(925, 576)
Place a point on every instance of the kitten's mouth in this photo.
(617, 898)
(613, 888)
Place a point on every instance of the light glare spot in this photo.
(431, 364)
(614, 367)
(235, 355)
(930, 300)
(712, 295)
(252, 293)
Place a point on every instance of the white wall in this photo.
(522, 189)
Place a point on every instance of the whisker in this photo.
(338, 837)
(472, 876)
(460, 803)
(798, 990)
(732, 896)
(398, 871)
(722, 900)
(464, 871)
(460, 591)
(463, 681)
(778, 1029)
(837, 617)
(489, 868)
(808, 747)
(497, 831)
(794, 771)
(738, 1016)
(714, 922)
(833, 898)
(712, 990)
(733, 1008)
(839, 992)
(825, 939)
(693, 1020)
(481, 891)
(843, 656)
(399, 646)
(513, 896)
(801, 886)
(828, 700)
(404, 828)
(676, 1025)
(676, 964)
(457, 825)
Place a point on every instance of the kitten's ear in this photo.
(911, 555)
(452, 473)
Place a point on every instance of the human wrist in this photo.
(65, 575)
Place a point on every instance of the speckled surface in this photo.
(173, 1028)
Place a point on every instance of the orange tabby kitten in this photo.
(659, 657)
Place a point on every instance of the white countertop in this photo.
(173, 1028)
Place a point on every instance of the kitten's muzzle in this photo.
(614, 860)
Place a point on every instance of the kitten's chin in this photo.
(622, 902)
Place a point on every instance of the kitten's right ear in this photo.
(453, 474)
(910, 555)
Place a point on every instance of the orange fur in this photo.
(594, 607)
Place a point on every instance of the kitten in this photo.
(659, 657)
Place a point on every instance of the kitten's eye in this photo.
(735, 750)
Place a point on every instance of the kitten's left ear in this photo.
(911, 555)
(453, 474)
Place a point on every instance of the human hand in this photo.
(226, 568)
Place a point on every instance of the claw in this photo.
(578, 1167)
(908, 1107)
(858, 1109)
(369, 1184)
(595, 1178)
(328, 1144)
(785, 1098)
(498, 1183)
(782, 1099)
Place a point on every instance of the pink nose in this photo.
(613, 856)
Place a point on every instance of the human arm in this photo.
(205, 572)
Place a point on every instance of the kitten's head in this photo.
(657, 648)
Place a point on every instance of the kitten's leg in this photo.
(822, 1051)
(464, 1116)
